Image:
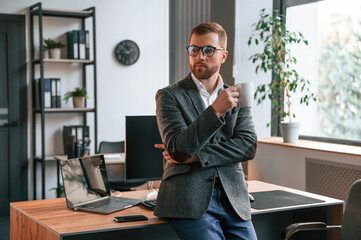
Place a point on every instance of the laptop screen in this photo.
(85, 179)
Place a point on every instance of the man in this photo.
(206, 135)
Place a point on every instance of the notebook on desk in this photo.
(86, 186)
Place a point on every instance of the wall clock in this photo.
(127, 52)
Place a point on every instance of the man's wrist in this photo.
(216, 112)
(193, 159)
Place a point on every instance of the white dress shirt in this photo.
(207, 98)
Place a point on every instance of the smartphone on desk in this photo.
(130, 218)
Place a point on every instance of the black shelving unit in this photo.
(36, 11)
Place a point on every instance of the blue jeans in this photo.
(219, 222)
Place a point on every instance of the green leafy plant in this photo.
(61, 190)
(277, 58)
(51, 44)
(78, 92)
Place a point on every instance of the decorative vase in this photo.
(54, 53)
(78, 102)
(290, 131)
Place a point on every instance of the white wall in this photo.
(286, 166)
(247, 13)
(122, 90)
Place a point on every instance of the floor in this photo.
(4, 228)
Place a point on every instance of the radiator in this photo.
(329, 178)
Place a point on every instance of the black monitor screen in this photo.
(142, 160)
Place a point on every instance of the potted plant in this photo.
(277, 58)
(79, 95)
(53, 47)
(60, 191)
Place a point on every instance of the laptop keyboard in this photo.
(96, 204)
(150, 204)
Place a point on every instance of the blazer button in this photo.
(211, 179)
(216, 126)
(206, 163)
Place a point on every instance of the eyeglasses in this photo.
(207, 51)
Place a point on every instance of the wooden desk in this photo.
(50, 219)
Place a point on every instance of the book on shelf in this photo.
(87, 44)
(78, 42)
(72, 44)
(52, 93)
(73, 140)
(58, 93)
(55, 93)
(46, 96)
(81, 40)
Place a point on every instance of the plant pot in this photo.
(54, 53)
(46, 54)
(78, 102)
(290, 131)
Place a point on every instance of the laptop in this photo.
(86, 186)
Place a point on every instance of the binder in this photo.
(72, 139)
(58, 93)
(72, 44)
(87, 50)
(53, 92)
(46, 97)
(81, 41)
(69, 141)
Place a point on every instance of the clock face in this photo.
(127, 52)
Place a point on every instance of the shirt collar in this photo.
(201, 87)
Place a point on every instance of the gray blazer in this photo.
(188, 129)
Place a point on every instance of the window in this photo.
(332, 63)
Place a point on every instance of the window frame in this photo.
(281, 6)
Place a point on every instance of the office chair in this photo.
(111, 147)
(117, 147)
(351, 221)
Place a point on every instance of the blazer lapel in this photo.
(194, 95)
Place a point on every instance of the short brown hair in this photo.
(209, 27)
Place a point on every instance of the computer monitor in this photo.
(143, 162)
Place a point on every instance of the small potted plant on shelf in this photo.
(79, 95)
(53, 47)
(59, 192)
(276, 58)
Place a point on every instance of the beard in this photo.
(203, 71)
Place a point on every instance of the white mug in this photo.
(246, 93)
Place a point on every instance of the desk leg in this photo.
(336, 212)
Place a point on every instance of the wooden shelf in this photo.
(48, 60)
(38, 19)
(65, 110)
(62, 13)
(51, 158)
(315, 145)
(47, 158)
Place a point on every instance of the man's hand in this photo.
(225, 101)
(166, 155)
(170, 160)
